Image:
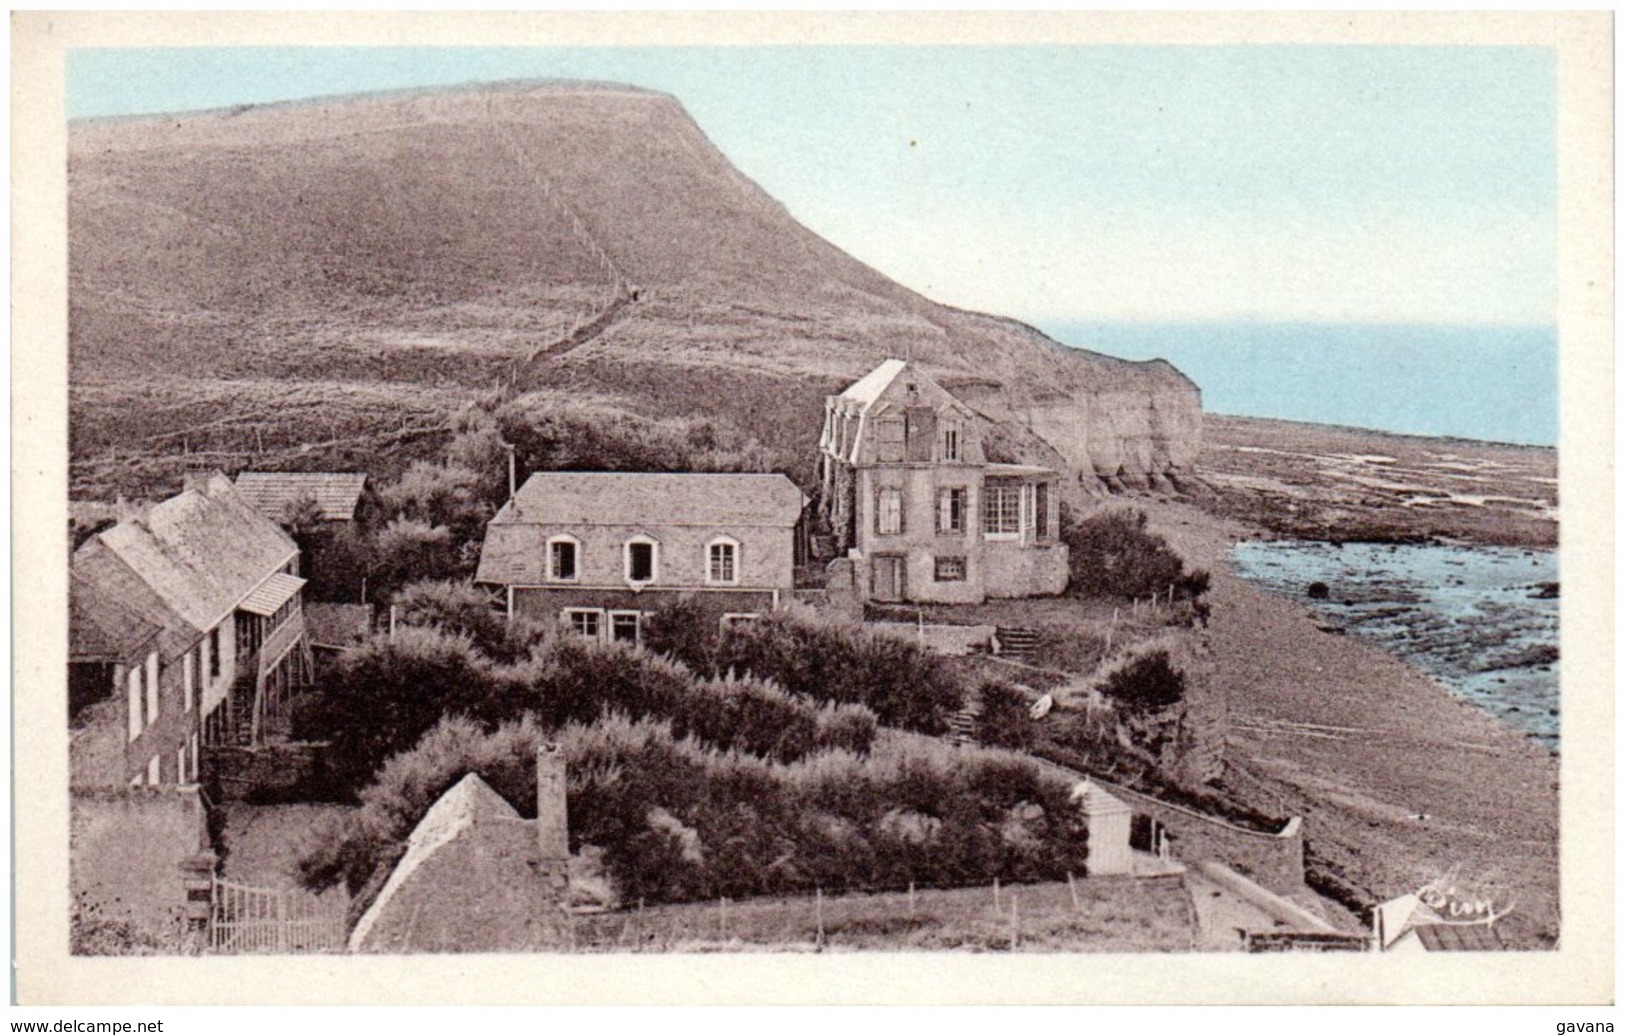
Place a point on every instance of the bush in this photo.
(1004, 720)
(680, 821)
(462, 610)
(1112, 554)
(389, 692)
(904, 684)
(1146, 684)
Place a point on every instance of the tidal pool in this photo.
(1481, 619)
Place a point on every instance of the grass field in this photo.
(1102, 914)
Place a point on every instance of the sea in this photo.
(1497, 384)
(1482, 620)
(1476, 618)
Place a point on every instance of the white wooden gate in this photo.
(253, 920)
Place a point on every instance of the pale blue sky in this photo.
(1390, 184)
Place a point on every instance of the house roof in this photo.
(336, 493)
(337, 625)
(188, 562)
(552, 500)
(101, 628)
(866, 389)
(463, 811)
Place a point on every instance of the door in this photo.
(888, 578)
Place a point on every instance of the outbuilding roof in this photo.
(337, 494)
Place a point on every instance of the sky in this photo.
(1175, 184)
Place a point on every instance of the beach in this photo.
(1398, 782)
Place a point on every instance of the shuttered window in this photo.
(889, 512)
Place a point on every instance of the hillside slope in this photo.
(565, 236)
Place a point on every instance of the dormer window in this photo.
(642, 559)
(563, 557)
(950, 440)
(722, 560)
(889, 436)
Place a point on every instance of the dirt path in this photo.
(1398, 782)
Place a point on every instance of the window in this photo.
(1041, 510)
(214, 652)
(180, 764)
(722, 561)
(186, 682)
(155, 775)
(584, 622)
(642, 560)
(135, 702)
(951, 511)
(889, 436)
(193, 745)
(950, 440)
(950, 569)
(889, 512)
(561, 558)
(623, 626)
(1001, 507)
(152, 688)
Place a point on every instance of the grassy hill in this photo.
(412, 251)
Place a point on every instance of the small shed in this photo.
(1110, 822)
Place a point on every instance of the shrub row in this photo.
(681, 821)
(904, 684)
(389, 692)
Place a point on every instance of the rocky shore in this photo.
(1399, 783)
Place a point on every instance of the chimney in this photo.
(196, 479)
(552, 830)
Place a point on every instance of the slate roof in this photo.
(100, 628)
(866, 389)
(337, 494)
(182, 567)
(555, 500)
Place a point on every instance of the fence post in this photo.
(911, 898)
(819, 907)
(995, 893)
(1015, 923)
(1072, 887)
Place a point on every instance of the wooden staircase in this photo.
(1017, 641)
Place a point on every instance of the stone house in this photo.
(597, 552)
(185, 631)
(913, 503)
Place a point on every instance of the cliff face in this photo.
(573, 236)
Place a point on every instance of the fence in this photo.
(244, 919)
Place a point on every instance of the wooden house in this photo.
(185, 630)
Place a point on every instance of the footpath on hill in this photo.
(1398, 782)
